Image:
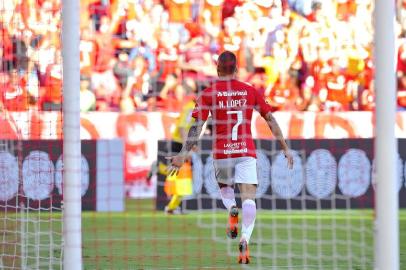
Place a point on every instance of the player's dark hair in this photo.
(226, 63)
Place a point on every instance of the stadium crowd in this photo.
(304, 55)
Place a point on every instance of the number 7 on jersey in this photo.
(234, 131)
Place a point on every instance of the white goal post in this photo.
(72, 206)
(387, 208)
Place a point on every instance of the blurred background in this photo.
(140, 56)
(143, 62)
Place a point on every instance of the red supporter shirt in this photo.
(53, 84)
(13, 92)
(231, 103)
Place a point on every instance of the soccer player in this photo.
(179, 136)
(230, 103)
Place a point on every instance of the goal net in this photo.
(142, 63)
(30, 106)
(317, 216)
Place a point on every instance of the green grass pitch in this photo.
(141, 238)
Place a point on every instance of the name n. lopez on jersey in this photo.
(232, 103)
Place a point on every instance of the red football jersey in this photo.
(231, 103)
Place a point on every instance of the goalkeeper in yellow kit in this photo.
(180, 185)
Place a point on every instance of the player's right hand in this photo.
(289, 157)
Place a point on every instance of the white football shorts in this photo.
(240, 170)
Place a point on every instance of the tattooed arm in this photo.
(192, 137)
(191, 140)
(277, 132)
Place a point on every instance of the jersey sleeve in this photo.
(201, 110)
(261, 106)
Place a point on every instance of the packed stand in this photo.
(304, 55)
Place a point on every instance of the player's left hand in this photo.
(176, 162)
